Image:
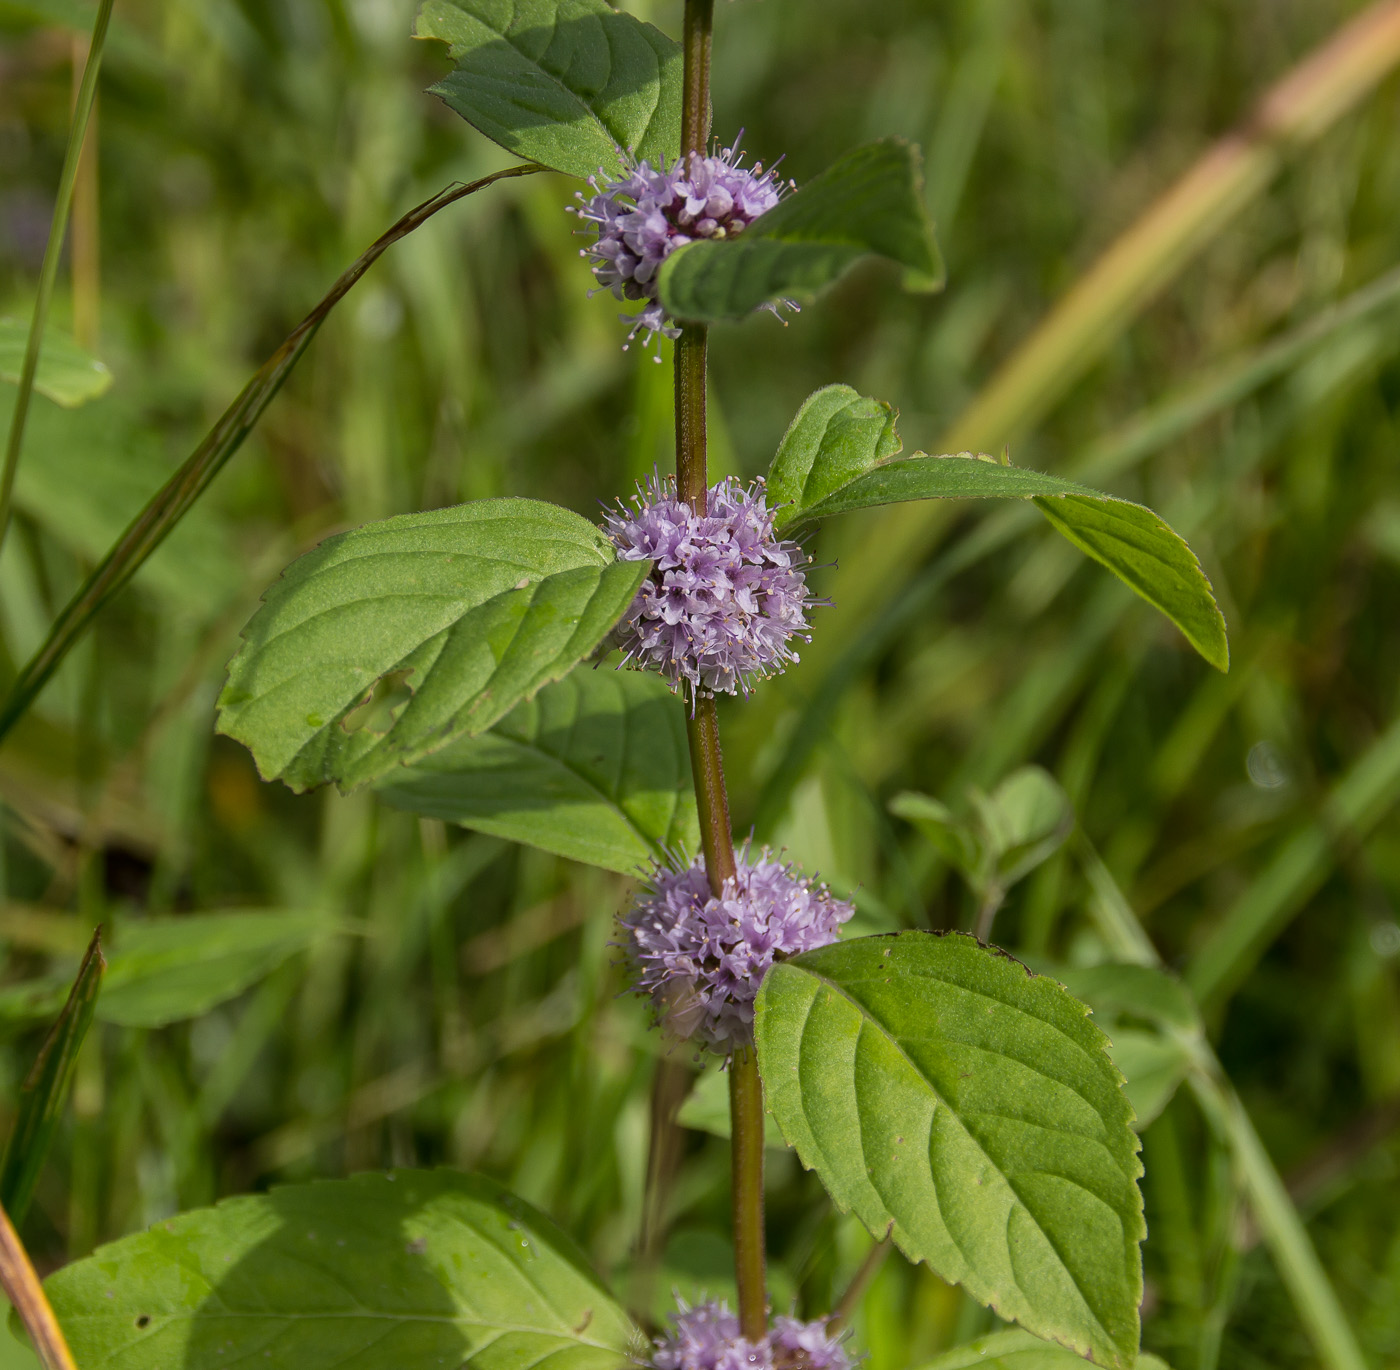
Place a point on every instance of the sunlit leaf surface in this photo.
(571, 84)
(388, 642)
(967, 1108)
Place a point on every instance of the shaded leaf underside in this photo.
(868, 202)
(596, 768)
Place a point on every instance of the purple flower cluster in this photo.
(643, 217)
(726, 595)
(707, 1338)
(701, 958)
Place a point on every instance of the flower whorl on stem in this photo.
(706, 1337)
(643, 216)
(726, 595)
(701, 958)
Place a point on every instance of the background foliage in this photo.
(462, 1005)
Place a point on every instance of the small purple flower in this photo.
(707, 1338)
(702, 958)
(643, 217)
(726, 594)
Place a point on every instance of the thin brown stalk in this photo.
(855, 1291)
(26, 1294)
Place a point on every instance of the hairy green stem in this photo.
(707, 768)
(53, 250)
(702, 725)
(695, 109)
(746, 1123)
(692, 479)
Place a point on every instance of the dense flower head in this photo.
(642, 217)
(701, 957)
(726, 595)
(706, 1337)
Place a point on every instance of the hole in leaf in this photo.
(144, 1320)
(376, 712)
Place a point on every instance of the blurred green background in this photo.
(467, 1010)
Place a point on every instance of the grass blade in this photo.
(1283, 1230)
(53, 250)
(44, 1091)
(1362, 798)
(178, 495)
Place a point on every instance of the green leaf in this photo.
(412, 1268)
(1025, 820)
(1115, 988)
(596, 768)
(571, 84)
(1013, 1350)
(967, 1108)
(871, 201)
(166, 969)
(1153, 1062)
(1152, 1065)
(1148, 557)
(388, 642)
(1010, 832)
(66, 374)
(837, 435)
(956, 841)
(45, 1090)
(1131, 541)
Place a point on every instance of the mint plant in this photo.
(514, 667)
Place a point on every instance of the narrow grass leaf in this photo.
(169, 505)
(1138, 546)
(45, 1090)
(1282, 889)
(968, 1109)
(386, 643)
(595, 767)
(838, 434)
(574, 85)
(409, 1268)
(869, 202)
(66, 374)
